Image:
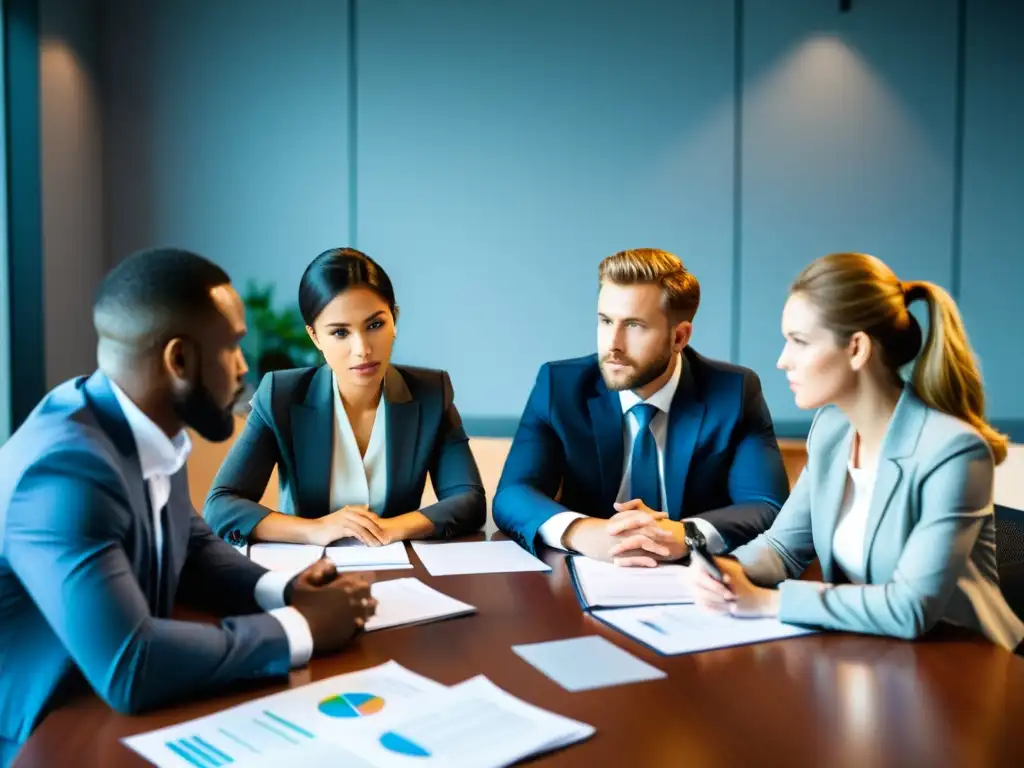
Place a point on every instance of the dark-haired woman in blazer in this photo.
(353, 439)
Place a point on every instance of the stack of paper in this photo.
(476, 557)
(401, 602)
(606, 585)
(474, 724)
(385, 716)
(353, 555)
(676, 629)
(287, 558)
(287, 728)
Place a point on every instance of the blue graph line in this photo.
(237, 740)
(208, 746)
(184, 755)
(189, 747)
(293, 726)
(276, 732)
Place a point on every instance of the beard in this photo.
(198, 408)
(640, 376)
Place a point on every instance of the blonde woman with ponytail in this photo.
(896, 497)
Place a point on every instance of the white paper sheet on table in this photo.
(474, 724)
(409, 601)
(677, 629)
(286, 558)
(295, 727)
(606, 585)
(355, 556)
(476, 557)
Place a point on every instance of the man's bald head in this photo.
(154, 296)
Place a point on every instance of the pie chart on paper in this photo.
(348, 705)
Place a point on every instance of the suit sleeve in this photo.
(67, 521)
(956, 498)
(786, 549)
(533, 470)
(232, 506)
(461, 505)
(758, 485)
(210, 560)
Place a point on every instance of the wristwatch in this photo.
(694, 538)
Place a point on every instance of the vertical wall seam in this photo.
(737, 183)
(958, 151)
(353, 126)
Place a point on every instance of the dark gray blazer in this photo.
(291, 425)
(78, 579)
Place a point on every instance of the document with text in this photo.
(606, 585)
(678, 629)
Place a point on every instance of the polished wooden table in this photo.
(824, 700)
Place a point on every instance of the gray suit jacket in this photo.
(79, 601)
(291, 425)
(930, 541)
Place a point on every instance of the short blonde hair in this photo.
(680, 291)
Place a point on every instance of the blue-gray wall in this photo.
(5, 306)
(489, 154)
(74, 255)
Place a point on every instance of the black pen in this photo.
(702, 556)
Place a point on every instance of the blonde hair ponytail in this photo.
(946, 375)
(858, 292)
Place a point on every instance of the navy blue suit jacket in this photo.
(79, 595)
(722, 461)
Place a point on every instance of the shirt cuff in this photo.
(716, 544)
(269, 592)
(300, 639)
(554, 528)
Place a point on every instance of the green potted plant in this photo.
(277, 338)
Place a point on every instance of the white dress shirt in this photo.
(554, 528)
(161, 458)
(851, 526)
(358, 479)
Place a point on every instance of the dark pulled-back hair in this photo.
(335, 271)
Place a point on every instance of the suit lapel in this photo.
(685, 418)
(606, 419)
(113, 422)
(900, 441)
(402, 438)
(833, 490)
(313, 443)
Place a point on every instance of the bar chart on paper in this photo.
(233, 740)
(292, 726)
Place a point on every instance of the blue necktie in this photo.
(643, 471)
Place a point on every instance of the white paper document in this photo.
(476, 557)
(677, 629)
(410, 601)
(353, 555)
(606, 585)
(474, 724)
(292, 728)
(286, 558)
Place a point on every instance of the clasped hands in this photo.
(358, 521)
(635, 536)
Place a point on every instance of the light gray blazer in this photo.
(930, 541)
